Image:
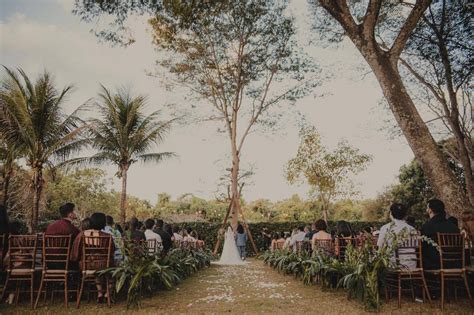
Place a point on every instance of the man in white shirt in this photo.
(149, 234)
(398, 225)
(299, 236)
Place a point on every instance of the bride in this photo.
(230, 253)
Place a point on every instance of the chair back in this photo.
(96, 252)
(451, 253)
(325, 245)
(279, 245)
(341, 245)
(408, 253)
(153, 246)
(56, 252)
(22, 251)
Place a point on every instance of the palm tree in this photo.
(32, 120)
(124, 135)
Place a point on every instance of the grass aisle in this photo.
(250, 289)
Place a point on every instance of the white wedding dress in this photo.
(230, 253)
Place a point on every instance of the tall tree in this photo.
(124, 135)
(381, 46)
(234, 55)
(326, 172)
(32, 120)
(439, 58)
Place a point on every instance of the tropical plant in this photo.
(32, 121)
(124, 135)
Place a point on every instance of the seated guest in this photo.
(169, 229)
(277, 241)
(298, 236)
(321, 233)
(287, 237)
(343, 232)
(85, 224)
(188, 237)
(467, 224)
(410, 221)
(116, 236)
(398, 226)
(97, 224)
(308, 233)
(64, 225)
(436, 224)
(165, 237)
(134, 233)
(176, 234)
(149, 234)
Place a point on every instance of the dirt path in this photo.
(251, 289)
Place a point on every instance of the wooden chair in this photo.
(154, 246)
(327, 246)
(96, 256)
(409, 268)
(22, 263)
(341, 244)
(452, 262)
(55, 256)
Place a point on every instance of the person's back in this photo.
(437, 224)
(135, 234)
(149, 234)
(399, 230)
(64, 225)
(165, 237)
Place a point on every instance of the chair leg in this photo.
(442, 291)
(66, 293)
(425, 288)
(466, 284)
(39, 291)
(5, 288)
(107, 290)
(17, 292)
(32, 291)
(79, 295)
(399, 292)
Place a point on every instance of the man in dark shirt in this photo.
(135, 234)
(165, 237)
(437, 224)
(64, 225)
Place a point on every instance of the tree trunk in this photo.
(6, 185)
(235, 188)
(416, 132)
(37, 190)
(123, 196)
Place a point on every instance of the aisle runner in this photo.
(238, 283)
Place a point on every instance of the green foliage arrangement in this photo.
(142, 272)
(360, 273)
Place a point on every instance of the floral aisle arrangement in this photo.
(361, 273)
(143, 272)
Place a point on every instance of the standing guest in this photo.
(97, 224)
(64, 225)
(398, 226)
(176, 234)
(134, 233)
(116, 236)
(267, 238)
(149, 234)
(165, 237)
(436, 224)
(241, 241)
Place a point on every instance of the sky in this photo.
(39, 35)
